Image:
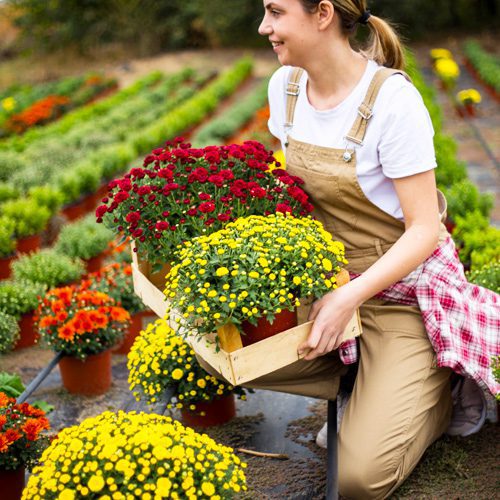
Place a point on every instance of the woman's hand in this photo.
(330, 314)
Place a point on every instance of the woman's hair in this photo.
(384, 45)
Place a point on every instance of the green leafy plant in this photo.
(161, 359)
(20, 297)
(255, 267)
(11, 384)
(7, 241)
(8, 192)
(464, 197)
(47, 196)
(29, 217)
(9, 332)
(487, 276)
(487, 65)
(84, 238)
(48, 267)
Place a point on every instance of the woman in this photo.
(360, 137)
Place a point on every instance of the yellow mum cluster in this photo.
(256, 266)
(128, 456)
(445, 66)
(161, 358)
(469, 96)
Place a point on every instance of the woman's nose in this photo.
(264, 28)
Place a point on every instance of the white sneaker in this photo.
(469, 408)
(342, 400)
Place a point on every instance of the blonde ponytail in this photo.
(384, 45)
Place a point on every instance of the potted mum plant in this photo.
(153, 455)
(182, 192)
(7, 246)
(9, 332)
(159, 359)
(30, 219)
(116, 281)
(19, 299)
(48, 267)
(467, 101)
(22, 441)
(84, 325)
(252, 274)
(86, 240)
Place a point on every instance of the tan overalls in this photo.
(401, 402)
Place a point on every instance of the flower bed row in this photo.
(15, 120)
(485, 66)
(468, 209)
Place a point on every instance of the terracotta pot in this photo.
(216, 412)
(5, 269)
(264, 329)
(135, 328)
(470, 109)
(76, 210)
(28, 334)
(29, 244)
(94, 263)
(90, 377)
(11, 483)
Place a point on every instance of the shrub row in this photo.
(486, 65)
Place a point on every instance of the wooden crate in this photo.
(245, 363)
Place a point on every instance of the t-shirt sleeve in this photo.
(276, 97)
(406, 146)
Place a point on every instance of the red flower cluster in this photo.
(182, 191)
(21, 425)
(79, 321)
(41, 111)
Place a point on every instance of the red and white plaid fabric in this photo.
(461, 319)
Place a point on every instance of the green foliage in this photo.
(495, 366)
(487, 65)
(20, 296)
(11, 384)
(9, 333)
(450, 170)
(8, 192)
(487, 276)
(464, 197)
(47, 196)
(7, 241)
(48, 267)
(84, 239)
(10, 162)
(29, 217)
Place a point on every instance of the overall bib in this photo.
(401, 401)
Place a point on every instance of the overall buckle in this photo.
(293, 92)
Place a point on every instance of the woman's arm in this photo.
(417, 195)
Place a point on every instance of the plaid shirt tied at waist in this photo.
(462, 319)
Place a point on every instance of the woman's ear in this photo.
(325, 13)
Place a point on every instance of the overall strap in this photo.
(365, 110)
(292, 93)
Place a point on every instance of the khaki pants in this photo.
(400, 404)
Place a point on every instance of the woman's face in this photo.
(290, 29)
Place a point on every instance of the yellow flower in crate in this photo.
(262, 264)
(159, 359)
(469, 96)
(135, 455)
(439, 53)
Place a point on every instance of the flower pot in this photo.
(210, 413)
(146, 268)
(28, 335)
(470, 109)
(5, 269)
(135, 328)
(94, 263)
(77, 209)
(29, 243)
(11, 483)
(264, 329)
(90, 377)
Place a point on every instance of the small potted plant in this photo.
(467, 101)
(7, 246)
(22, 442)
(30, 219)
(9, 332)
(252, 274)
(116, 281)
(153, 455)
(86, 240)
(84, 325)
(182, 192)
(47, 196)
(448, 72)
(159, 359)
(48, 267)
(20, 299)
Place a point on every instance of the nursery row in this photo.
(485, 65)
(468, 209)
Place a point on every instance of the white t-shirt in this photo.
(398, 140)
